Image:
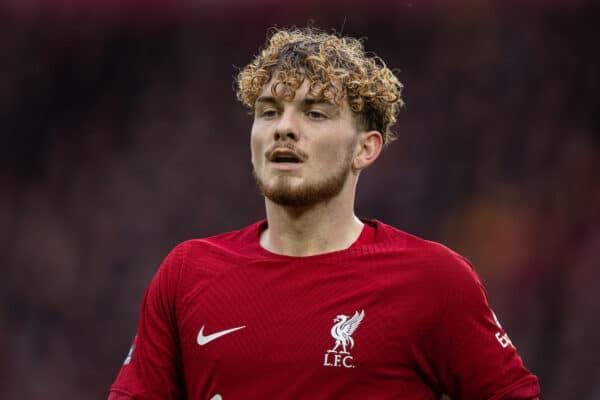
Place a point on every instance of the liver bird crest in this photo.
(343, 329)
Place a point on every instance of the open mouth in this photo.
(284, 156)
(286, 159)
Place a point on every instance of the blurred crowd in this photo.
(119, 140)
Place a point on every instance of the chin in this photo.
(290, 192)
(285, 195)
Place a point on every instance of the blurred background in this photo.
(121, 137)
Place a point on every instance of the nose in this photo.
(287, 128)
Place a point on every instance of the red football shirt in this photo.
(391, 317)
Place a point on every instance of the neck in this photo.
(322, 228)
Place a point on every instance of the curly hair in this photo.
(329, 62)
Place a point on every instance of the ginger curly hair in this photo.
(329, 62)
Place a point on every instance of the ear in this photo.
(368, 148)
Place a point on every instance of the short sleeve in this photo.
(472, 355)
(152, 368)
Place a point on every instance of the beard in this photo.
(308, 194)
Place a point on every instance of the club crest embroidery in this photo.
(342, 331)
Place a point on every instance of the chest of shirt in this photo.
(320, 323)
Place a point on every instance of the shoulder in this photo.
(195, 261)
(214, 251)
(436, 275)
(424, 250)
(432, 260)
(238, 242)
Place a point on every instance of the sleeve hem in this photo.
(526, 389)
(120, 394)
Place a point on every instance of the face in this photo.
(302, 150)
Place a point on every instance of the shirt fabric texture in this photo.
(411, 317)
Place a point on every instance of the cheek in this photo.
(335, 152)
(256, 146)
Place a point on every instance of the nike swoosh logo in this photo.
(202, 340)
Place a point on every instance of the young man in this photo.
(314, 303)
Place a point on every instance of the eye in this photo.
(316, 115)
(268, 113)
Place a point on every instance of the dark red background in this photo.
(121, 136)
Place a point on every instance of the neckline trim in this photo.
(367, 236)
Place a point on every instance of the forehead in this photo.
(303, 89)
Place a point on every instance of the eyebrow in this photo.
(266, 99)
(308, 101)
